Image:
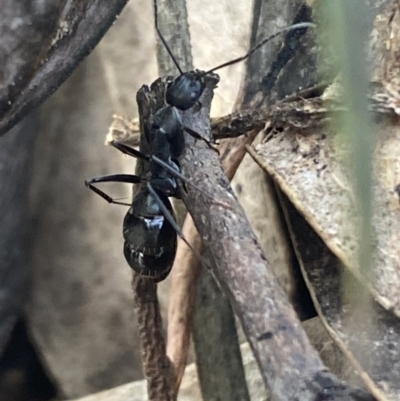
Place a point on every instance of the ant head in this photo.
(185, 90)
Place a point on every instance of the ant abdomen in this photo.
(151, 266)
(150, 240)
(155, 267)
(185, 90)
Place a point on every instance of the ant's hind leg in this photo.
(174, 224)
(131, 179)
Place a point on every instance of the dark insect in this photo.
(150, 227)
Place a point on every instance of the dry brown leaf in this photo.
(368, 336)
(306, 165)
(303, 155)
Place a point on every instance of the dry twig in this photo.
(288, 363)
(186, 269)
(157, 367)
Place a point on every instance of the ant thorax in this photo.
(167, 130)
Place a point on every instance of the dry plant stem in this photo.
(177, 35)
(157, 367)
(233, 151)
(228, 127)
(219, 361)
(186, 269)
(185, 272)
(235, 124)
(289, 365)
(173, 23)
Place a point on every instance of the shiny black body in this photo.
(149, 228)
(150, 240)
(181, 94)
(167, 131)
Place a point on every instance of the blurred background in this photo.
(75, 334)
(67, 324)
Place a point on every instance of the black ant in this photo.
(150, 227)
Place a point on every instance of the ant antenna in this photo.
(163, 39)
(262, 43)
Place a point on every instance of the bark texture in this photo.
(42, 43)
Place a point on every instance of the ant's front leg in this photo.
(130, 151)
(129, 178)
(196, 135)
(177, 174)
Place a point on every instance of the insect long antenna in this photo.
(300, 25)
(164, 42)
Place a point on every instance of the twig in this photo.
(157, 367)
(173, 18)
(185, 273)
(186, 269)
(218, 358)
(231, 126)
(288, 363)
(154, 345)
(173, 23)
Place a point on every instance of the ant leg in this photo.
(174, 224)
(132, 179)
(133, 152)
(128, 150)
(177, 174)
(196, 135)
